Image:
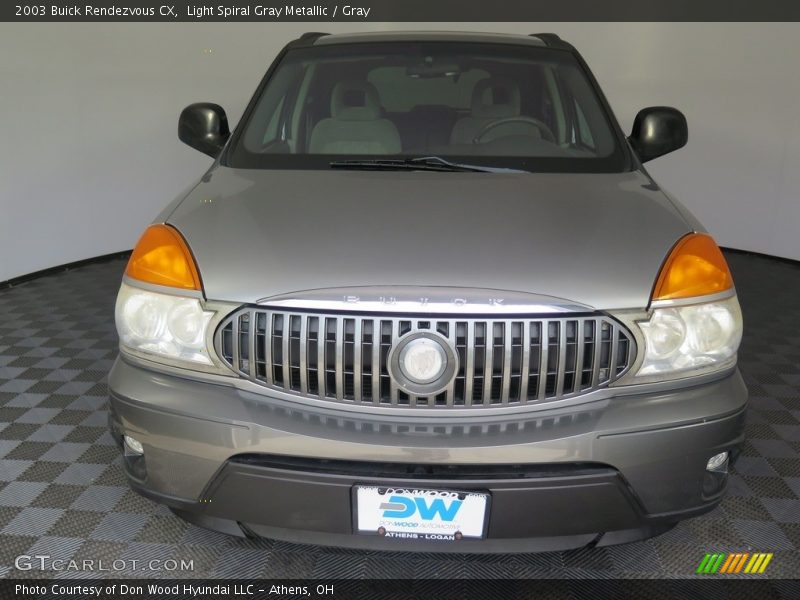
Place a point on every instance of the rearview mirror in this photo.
(657, 131)
(204, 127)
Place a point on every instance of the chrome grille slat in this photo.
(339, 364)
(524, 372)
(235, 337)
(505, 389)
(286, 359)
(268, 349)
(384, 374)
(303, 354)
(357, 360)
(544, 359)
(612, 363)
(322, 373)
(577, 383)
(393, 392)
(562, 357)
(376, 361)
(451, 387)
(488, 362)
(502, 362)
(598, 347)
(628, 357)
(469, 374)
(251, 345)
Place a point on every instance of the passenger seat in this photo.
(356, 125)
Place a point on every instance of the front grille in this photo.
(502, 362)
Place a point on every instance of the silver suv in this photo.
(428, 298)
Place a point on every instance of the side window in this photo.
(588, 131)
(554, 105)
(584, 133)
(271, 133)
(301, 112)
(269, 130)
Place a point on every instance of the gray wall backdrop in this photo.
(88, 115)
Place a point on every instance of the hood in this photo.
(592, 239)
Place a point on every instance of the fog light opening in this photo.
(718, 463)
(133, 446)
(133, 455)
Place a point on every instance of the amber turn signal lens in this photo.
(695, 267)
(162, 257)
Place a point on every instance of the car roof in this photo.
(429, 36)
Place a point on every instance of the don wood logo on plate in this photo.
(421, 514)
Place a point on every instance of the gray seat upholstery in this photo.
(493, 98)
(355, 125)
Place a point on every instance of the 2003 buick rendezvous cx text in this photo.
(428, 298)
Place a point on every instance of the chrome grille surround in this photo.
(530, 360)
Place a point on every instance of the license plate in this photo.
(409, 513)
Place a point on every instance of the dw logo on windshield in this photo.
(402, 507)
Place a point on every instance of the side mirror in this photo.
(204, 127)
(658, 130)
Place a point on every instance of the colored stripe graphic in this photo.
(730, 564)
(708, 562)
(719, 562)
(701, 568)
(727, 564)
(767, 558)
(740, 563)
(754, 563)
(734, 563)
(714, 563)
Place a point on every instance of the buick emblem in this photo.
(422, 363)
(423, 360)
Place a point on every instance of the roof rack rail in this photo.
(553, 40)
(308, 38)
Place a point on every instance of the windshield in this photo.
(492, 105)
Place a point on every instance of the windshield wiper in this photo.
(425, 163)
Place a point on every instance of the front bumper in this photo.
(606, 471)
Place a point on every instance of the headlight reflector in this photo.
(684, 339)
(664, 332)
(186, 322)
(162, 324)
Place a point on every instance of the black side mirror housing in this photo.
(658, 130)
(204, 127)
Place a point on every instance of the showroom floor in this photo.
(62, 491)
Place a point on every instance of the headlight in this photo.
(171, 326)
(691, 339)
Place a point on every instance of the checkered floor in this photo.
(62, 491)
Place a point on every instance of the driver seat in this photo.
(493, 98)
